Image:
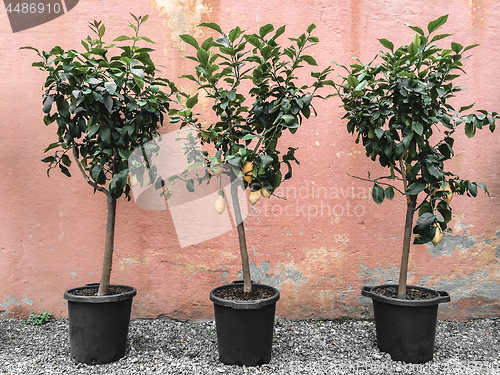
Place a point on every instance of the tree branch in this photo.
(85, 176)
(378, 182)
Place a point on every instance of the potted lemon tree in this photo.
(398, 106)
(103, 106)
(251, 80)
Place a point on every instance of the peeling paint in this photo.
(458, 223)
(130, 261)
(378, 275)
(449, 243)
(27, 301)
(10, 301)
(183, 17)
(284, 273)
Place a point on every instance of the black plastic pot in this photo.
(406, 329)
(98, 326)
(245, 328)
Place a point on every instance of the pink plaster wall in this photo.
(52, 230)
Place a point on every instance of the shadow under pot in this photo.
(98, 325)
(406, 329)
(244, 328)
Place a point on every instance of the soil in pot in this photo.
(411, 293)
(91, 291)
(237, 294)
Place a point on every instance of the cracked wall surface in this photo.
(320, 246)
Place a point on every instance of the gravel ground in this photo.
(164, 346)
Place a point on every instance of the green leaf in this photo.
(425, 234)
(235, 33)
(203, 57)
(387, 44)
(424, 221)
(456, 47)
(190, 40)
(125, 154)
(266, 29)
(311, 27)
(425, 207)
(470, 129)
(265, 160)
(310, 60)
(212, 26)
(118, 182)
(482, 186)
(190, 185)
(66, 160)
(105, 135)
(445, 211)
(436, 24)
(417, 29)
(192, 101)
(51, 146)
(48, 159)
(63, 107)
(389, 192)
(465, 108)
(108, 103)
(101, 31)
(64, 170)
(472, 187)
(110, 87)
(121, 38)
(415, 188)
(47, 120)
(279, 32)
(378, 194)
(469, 47)
(361, 86)
(147, 39)
(250, 136)
(47, 103)
(439, 37)
(94, 81)
(418, 128)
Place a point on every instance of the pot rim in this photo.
(245, 305)
(441, 296)
(100, 299)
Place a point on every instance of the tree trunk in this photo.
(108, 247)
(247, 281)
(410, 210)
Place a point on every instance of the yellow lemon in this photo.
(254, 196)
(132, 180)
(220, 204)
(218, 170)
(448, 193)
(438, 237)
(247, 171)
(265, 193)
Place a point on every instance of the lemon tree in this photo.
(251, 80)
(103, 106)
(398, 106)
